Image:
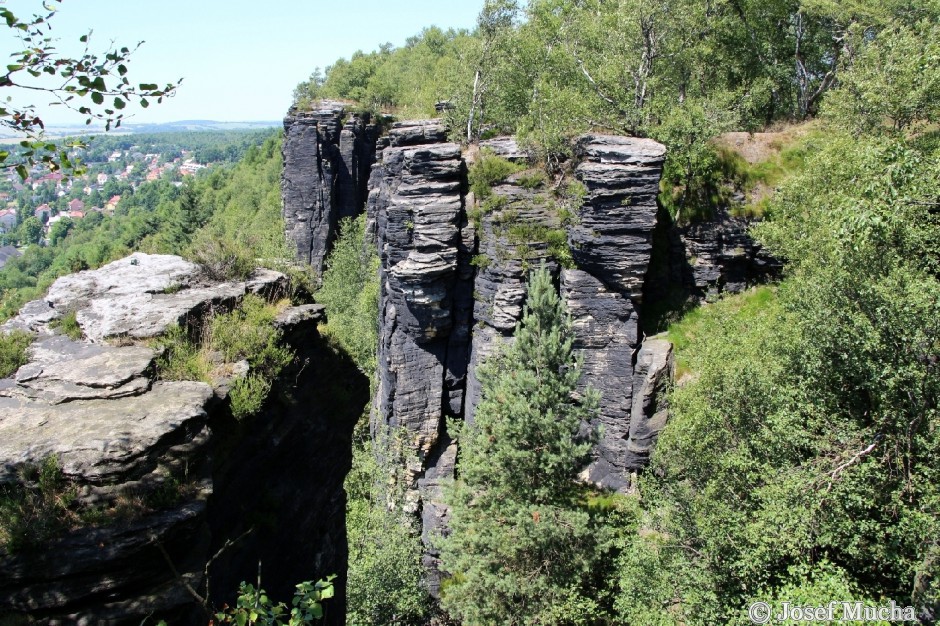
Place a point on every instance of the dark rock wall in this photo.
(327, 159)
(280, 476)
(452, 291)
(721, 256)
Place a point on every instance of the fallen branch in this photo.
(855, 459)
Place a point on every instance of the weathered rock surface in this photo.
(605, 329)
(501, 284)
(653, 373)
(103, 439)
(441, 316)
(506, 147)
(125, 441)
(327, 159)
(723, 256)
(138, 296)
(425, 272)
(612, 239)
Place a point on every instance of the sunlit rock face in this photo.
(454, 288)
(165, 490)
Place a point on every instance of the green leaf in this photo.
(21, 170)
(148, 87)
(96, 97)
(118, 103)
(241, 619)
(14, 67)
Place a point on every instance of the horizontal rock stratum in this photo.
(454, 272)
(152, 505)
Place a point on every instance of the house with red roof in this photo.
(111, 204)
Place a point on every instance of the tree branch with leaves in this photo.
(93, 85)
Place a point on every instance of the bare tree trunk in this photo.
(473, 104)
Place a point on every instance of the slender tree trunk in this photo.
(473, 104)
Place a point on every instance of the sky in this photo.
(239, 60)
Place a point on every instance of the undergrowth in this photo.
(246, 333)
(704, 321)
(13, 354)
(68, 326)
(41, 504)
(488, 170)
(695, 192)
(37, 507)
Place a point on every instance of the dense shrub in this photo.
(13, 351)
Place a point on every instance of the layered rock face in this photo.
(327, 158)
(424, 243)
(453, 290)
(722, 256)
(155, 508)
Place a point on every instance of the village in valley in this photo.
(106, 175)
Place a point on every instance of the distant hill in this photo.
(53, 131)
(197, 125)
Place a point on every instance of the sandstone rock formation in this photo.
(138, 297)
(327, 158)
(723, 257)
(156, 511)
(453, 289)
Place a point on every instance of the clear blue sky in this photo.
(240, 60)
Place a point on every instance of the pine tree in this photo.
(522, 546)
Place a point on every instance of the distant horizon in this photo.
(59, 131)
(239, 62)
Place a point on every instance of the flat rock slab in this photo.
(99, 440)
(138, 296)
(61, 370)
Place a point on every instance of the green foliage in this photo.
(818, 586)
(519, 531)
(532, 179)
(894, 83)
(13, 354)
(248, 394)
(801, 457)
(350, 293)
(255, 607)
(180, 358)
(36, 507)
(94, 86)
(385, 549)
(248, 333)
(487, 170)
(480, 261)
(68, 326)
(523, 234)
(30, 231)
(246, 229)
(431, 67)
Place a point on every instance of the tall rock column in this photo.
(426, 294)
(327, 161)
(612, 242)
